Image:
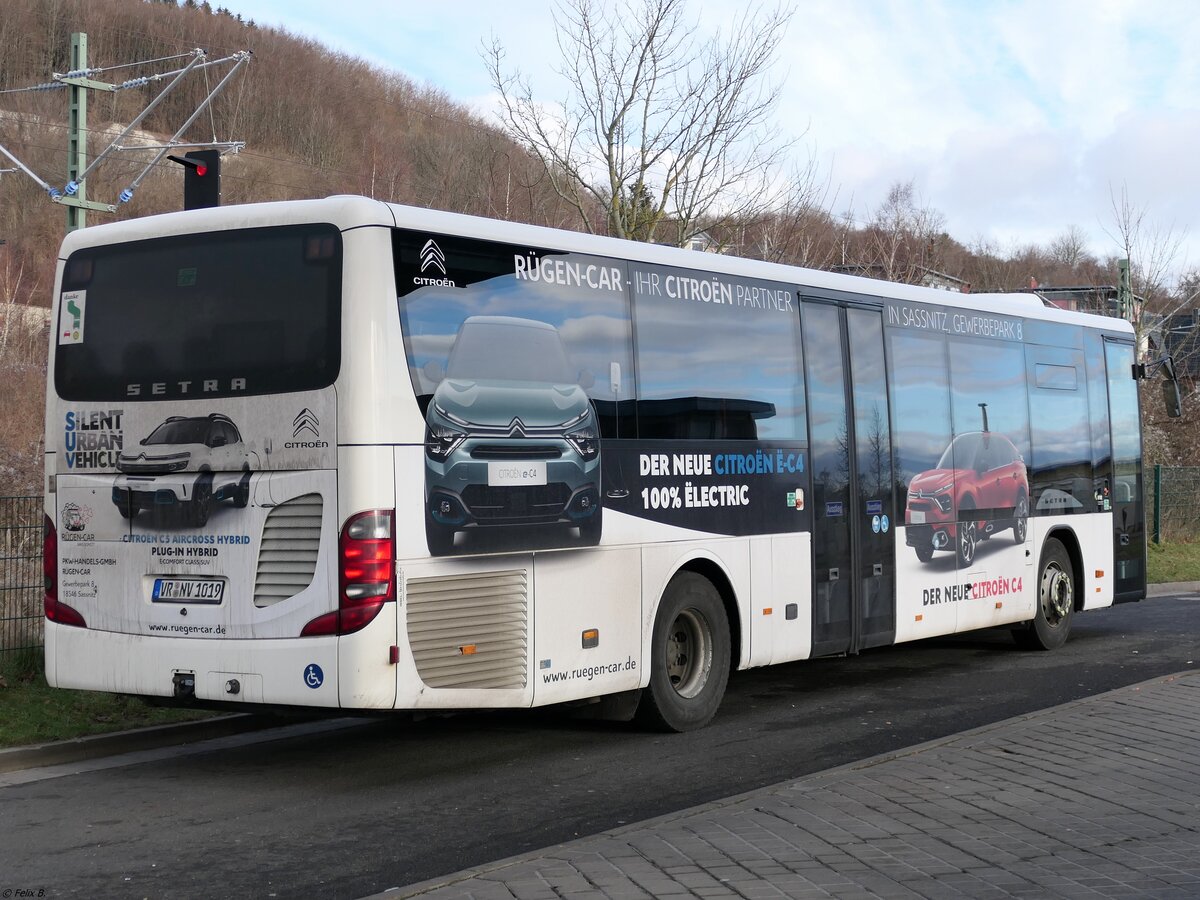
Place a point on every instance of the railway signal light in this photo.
(201, 178)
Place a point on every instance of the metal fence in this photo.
(1175, 506)
(21, 587)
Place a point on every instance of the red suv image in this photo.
(978, 488)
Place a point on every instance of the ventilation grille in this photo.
(469, 631)
(287, 556)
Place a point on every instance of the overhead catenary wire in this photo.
(48, 86)
(242, 58)
(20, 165)
(199, 61)
(149, 79)
(197, 58)
(257, 179)
(140, 81)
(475, 125)
(144, 62)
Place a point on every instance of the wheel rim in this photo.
(966, 541)
(689, 652)
(1022, 516)
(1058, 594)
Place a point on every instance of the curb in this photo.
(1175, 587)
(149, 738)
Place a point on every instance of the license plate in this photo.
(917, 517)
(188, 590)
(507, 474)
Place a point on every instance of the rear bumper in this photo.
(266, 671)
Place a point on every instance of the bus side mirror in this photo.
(1172, 399)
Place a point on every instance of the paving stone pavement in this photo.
(1095, 798)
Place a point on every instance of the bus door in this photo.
(1129, 535)
(853, 506)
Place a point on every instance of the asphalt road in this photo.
(350, 812)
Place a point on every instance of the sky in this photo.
(1015, 119)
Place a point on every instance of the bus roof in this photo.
(348, 211)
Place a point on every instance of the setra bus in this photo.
(348, 454)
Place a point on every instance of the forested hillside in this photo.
(315, 123)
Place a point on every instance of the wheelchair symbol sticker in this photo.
(313, 676)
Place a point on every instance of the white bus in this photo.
(347, 454)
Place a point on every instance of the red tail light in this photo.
(366, 576)
(55, 611)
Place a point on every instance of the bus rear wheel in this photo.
(1055, 602)
(689, 657)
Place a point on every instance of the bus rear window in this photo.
(252, 311)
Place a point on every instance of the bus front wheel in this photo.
(1055, 601)
(689, 657)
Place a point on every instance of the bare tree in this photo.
(1152, 250)
(799, 229)
(663, 130)
(1069, 249)
(903, 236)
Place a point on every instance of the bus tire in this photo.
(689, 657)
(1055, 601)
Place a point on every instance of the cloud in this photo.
(1013, 117)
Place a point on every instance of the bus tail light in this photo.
(366, 573)
(55, 611)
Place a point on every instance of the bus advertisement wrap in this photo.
(728, 488)
(349, 453)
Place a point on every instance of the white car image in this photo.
(185, 463)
